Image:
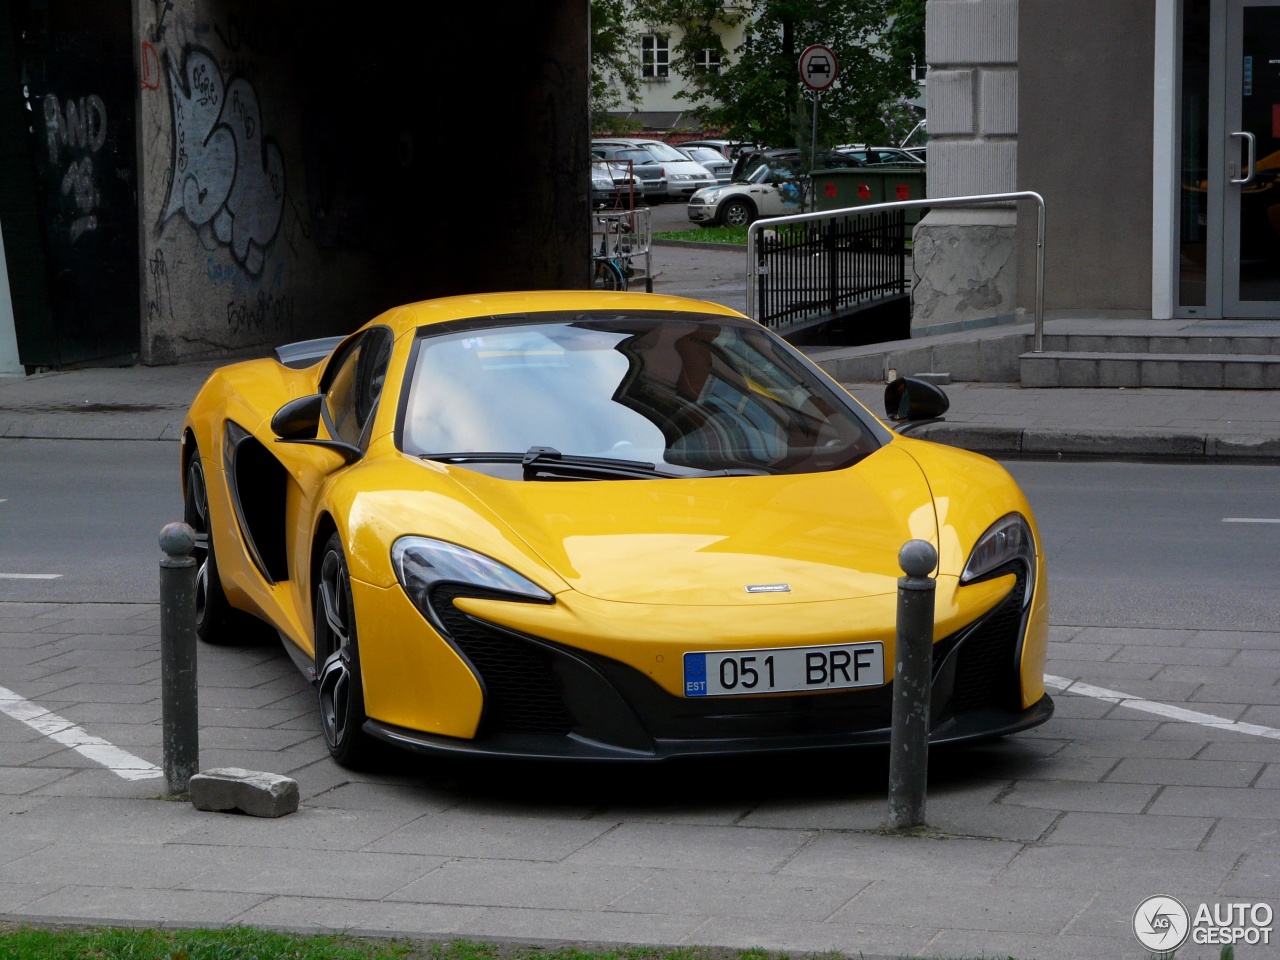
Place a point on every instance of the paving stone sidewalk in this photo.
(1040, 845)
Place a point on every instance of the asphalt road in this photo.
(1128, 544)
(87, 514)
(1133, 544)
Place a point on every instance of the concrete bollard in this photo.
(179, 702)
(912, 681)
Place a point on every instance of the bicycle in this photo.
(611, 271)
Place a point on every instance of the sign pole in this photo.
(813, 151)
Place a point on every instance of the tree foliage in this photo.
(757, 95)
(615, 69)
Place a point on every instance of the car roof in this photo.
(408, 318)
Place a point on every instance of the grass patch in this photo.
(708, 235)
(249, 943)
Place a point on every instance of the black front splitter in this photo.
(974, 726)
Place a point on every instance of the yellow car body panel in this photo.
(412, 677)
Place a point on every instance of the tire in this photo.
(607, 276)
(737, 212)
(217, 622)
(339, 688)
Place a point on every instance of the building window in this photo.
(708, 60)
(919, 71)
(655, 57)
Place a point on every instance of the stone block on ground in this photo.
(250, 791)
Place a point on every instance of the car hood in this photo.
(706, 541)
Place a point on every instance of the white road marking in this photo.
(1166, 710)
(30, 576)
(120, 762)
(1251, 519)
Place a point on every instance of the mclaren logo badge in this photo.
(768, 588)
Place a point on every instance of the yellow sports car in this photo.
(610, 526)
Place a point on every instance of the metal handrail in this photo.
(974, 201)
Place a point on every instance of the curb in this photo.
(1051, 444)
(700, 245)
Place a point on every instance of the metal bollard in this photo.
(179, 706)
(909, 736)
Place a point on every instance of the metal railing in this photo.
(755, 258)
(808, 273)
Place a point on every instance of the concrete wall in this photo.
(304, 168)
(965, 257)
(9, 364)
(1085, 132)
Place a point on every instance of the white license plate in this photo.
(723, 673)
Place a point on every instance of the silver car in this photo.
(683, 176)
(720, 166)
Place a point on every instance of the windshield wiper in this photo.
(548, 460)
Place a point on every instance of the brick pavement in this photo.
(1040, 845)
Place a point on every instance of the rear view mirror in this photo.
(909, 399)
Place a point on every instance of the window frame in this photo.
(651, 67)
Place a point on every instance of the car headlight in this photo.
(422, 563)
(1006, 541)
(601, 184)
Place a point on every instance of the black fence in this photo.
(821, 270)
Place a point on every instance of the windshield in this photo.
(665, 152)
(688, 394)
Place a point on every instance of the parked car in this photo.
(798, 159)
(601, 526)
(769, 187)
(720, 166)
(727, 148)
(683, 176)
(614, 186)
(643, 164)
(872, 156)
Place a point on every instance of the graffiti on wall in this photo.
(226, 176)
(77, 126)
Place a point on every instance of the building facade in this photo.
(1150, 127)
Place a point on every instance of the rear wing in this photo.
(304, 353)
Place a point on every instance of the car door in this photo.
(276, 483)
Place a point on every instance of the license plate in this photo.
(723, 673)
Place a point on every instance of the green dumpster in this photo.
(836, 189)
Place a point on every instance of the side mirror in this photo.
(298, 419)
(908, 399)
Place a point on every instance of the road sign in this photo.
(818, 67)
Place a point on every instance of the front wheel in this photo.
(338, 682)
(737, 213)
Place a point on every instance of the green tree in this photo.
(757, 94)
(614, 67)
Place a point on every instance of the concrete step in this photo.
(1142, 368)
(1185, 341)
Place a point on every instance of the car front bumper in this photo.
(546, 700)
(701, 211)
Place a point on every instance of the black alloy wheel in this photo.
(338, 682)
(214, 614)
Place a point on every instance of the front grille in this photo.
(986, 668)
(521, 696)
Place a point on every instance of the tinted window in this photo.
(687, 394)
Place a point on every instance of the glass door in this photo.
(1251, 173)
